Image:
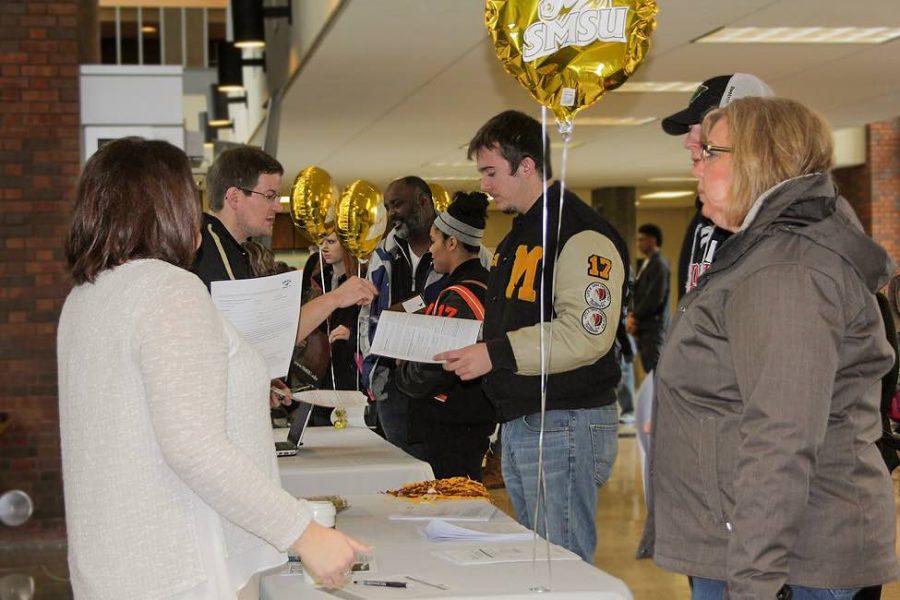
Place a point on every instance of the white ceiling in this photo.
(399, 85)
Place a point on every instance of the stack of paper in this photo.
(455, 510)
(441, 531)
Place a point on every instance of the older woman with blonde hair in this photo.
(767, 480)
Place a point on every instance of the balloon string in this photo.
(539, 507)
(357, 358)
(327, 322)
(564, 162)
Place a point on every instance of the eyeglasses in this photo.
(708, 151)
(270, 196)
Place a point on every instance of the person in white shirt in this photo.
(170, 478)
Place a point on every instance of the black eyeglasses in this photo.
(708, 151)
(271, 195)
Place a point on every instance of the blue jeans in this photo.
(580, 448)
(625, 391)
(714, 589)
(393, 414)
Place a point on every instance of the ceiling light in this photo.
(230, 67)
(657, 86)
(666, 195)
(612, 122)
(148, 29)
(800, 35)
(247, 23)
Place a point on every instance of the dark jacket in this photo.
(650, 300)
(220, 257)
(764, 465)
(464, 401)
(593, 272)
(701, 240)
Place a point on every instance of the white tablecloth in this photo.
(399, 550)
(347, 461)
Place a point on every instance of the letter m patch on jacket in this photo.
(524, 273)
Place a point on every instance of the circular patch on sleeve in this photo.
(597, 295)
(594, 321)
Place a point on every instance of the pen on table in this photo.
(380, 583)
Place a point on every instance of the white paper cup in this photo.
(323, 512)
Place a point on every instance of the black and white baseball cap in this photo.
(714, 93)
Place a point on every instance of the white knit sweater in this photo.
(165, 431)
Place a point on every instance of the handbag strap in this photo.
(466, 294)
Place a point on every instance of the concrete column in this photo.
(617, 205)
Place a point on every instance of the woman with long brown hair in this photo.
(171, 483)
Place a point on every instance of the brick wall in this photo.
(853, 184)
(39, 163)
(873, 189)
(883, 159)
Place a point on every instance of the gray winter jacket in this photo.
(764, 467)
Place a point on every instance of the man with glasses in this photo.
(243, 190)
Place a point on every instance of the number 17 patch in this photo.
(599, 266)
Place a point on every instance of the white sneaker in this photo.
(626, 418)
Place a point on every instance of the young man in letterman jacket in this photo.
(580, 442)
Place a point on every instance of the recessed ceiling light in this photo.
(657, 86)
(666, 195)
(800, 35)
(612, 122)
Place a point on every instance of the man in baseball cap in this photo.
(702, 238)
(714, 93)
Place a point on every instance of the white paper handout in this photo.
(448, 510)
(266, 311)
(487, 555)
(419, 337)
(333, 398)
(439, 530)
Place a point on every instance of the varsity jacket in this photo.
(591, 284)
(440, 395)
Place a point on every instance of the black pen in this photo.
(379, 583)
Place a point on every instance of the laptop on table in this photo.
(299, 421)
